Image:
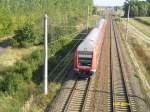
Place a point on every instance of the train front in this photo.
(85, 59)
(84, 63)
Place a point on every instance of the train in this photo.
(86, 56)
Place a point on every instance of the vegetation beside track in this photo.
(142, 26)
(144, 20)
(141, 49)
(14, 14)
(25, 77)
(11, 55)
(22, 81)
(142, 55)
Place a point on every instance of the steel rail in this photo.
(72, 94)
(131, 101)
(123, 82)
(86, 96)
(111, 66)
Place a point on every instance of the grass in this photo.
(143, 57)
(40, 101)
(142, 54)
(6, 37)
(144, 20)
(23, 98)
(141, 49)
(142, 24)
(11, 55)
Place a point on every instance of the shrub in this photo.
(11, 82)
(5, 23)
(25, 36)
(23, 68)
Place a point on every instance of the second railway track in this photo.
(119, 93)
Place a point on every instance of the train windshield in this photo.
(85, 62)
(85, 59)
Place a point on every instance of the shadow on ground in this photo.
(71, 75)
(53, 61)
(6, 43)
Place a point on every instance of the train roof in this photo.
(90, 41)
(99, 24)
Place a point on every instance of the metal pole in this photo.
(46, 55)
(126, 37)
(87, 24)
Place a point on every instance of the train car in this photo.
(88, 52)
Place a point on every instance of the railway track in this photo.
(85, 95)
(119, 98)
(73, 88)
(75, 96)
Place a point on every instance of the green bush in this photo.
(25, 36)
(5, 23)
(23, 68)
(11, 82)
(36, 59)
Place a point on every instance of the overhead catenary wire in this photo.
(70, 35)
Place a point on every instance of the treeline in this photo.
(137, 8)
(15, 13)
(24, 18)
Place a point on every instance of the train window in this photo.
(85, 61)
(85, 53)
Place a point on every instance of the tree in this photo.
(148, 12)
(134, 11)
(94, 11)
(138, 8)
(143, 8)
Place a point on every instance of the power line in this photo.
(69, 35)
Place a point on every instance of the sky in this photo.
(108, 2)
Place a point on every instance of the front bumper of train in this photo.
(85, 70)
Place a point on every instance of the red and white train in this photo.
(88, 52)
